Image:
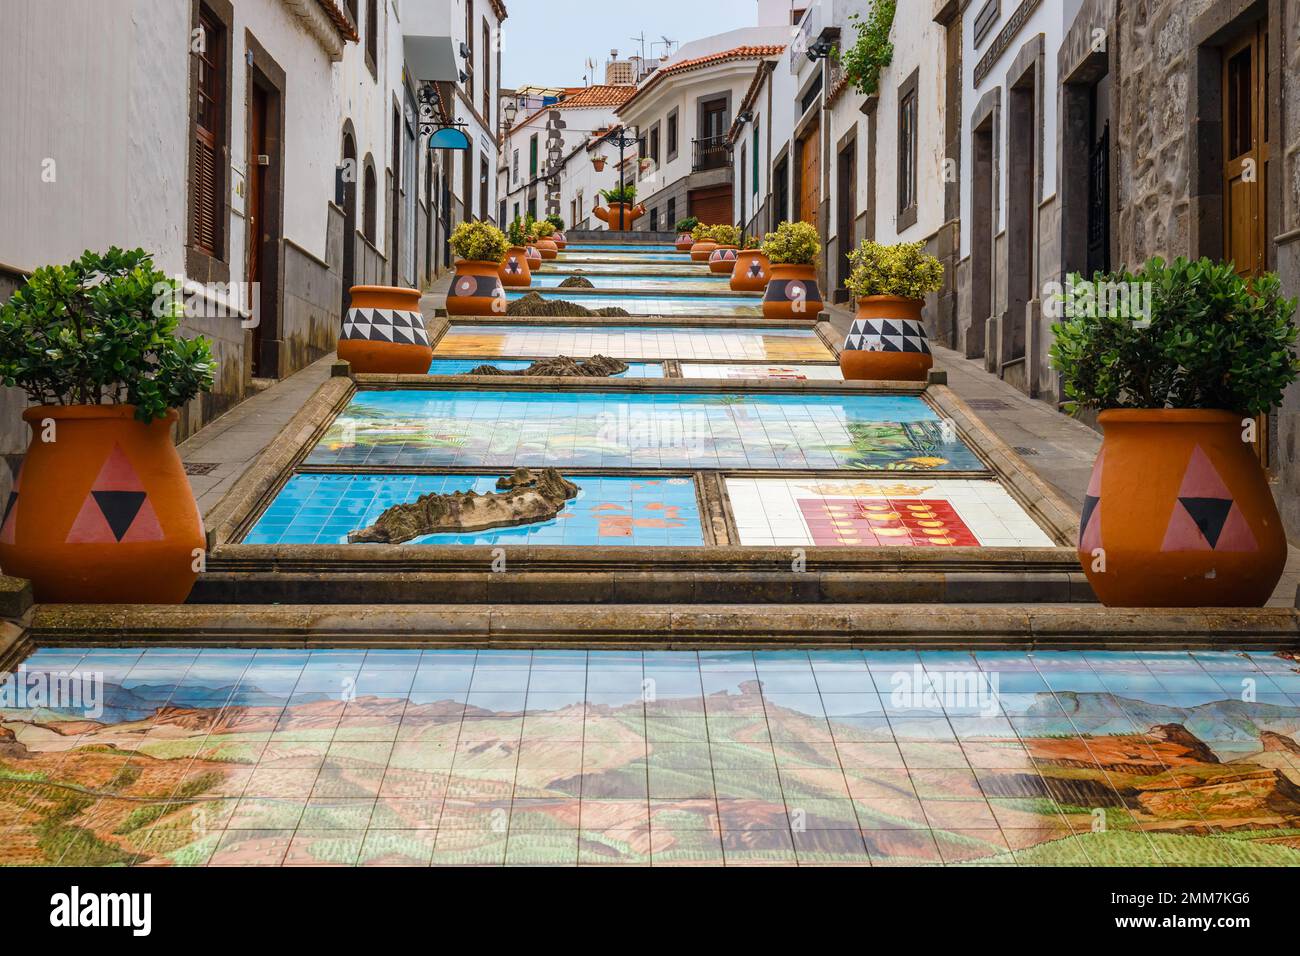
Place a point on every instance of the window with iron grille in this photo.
(206, 186)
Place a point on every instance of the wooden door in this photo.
(257, 171)
(1246, 155)
(847, 195)
(810, 175)
(1245, 140)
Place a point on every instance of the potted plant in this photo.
(558, 237)
(543, 231)
(722, 260)
(792, 290)
(101, 511)
(887, 339)
(619, 211)
(704, 244)
(684, 227)
(531, 252)
(515, 270)
(752, 269)
(476, 288)
(598, 161)
(1178, 512)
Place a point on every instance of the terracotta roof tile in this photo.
(342, 22)
(749, 52)
(586, 97)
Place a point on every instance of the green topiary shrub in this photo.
(1180, 335)
(520, 232)
(902, 270)
(557, 222)
(793, 243)
(102, 331)
(725, 235)
(479, 241)
(686, 225)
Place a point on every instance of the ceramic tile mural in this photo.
(906, 511)
(464, 366)
(410, 758)
(696, 283)
(500, 429)
(792, 373)
(748, 307)
(323, 509)
(634, 342)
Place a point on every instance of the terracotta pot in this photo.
(561, 240)
(515, 271)
(751, 273)
(619, 216)
(384, 332)
(722, 260)
(599, 165)
(534, 256)
(476, 289)
(702, 251)
(548, 248)
(887, 342)
(1180, 512)
(684, 242)
(792, 293)
(103, 512)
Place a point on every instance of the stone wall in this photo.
(1286, 458)
(313, 295)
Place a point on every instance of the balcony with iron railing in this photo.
(713, 153)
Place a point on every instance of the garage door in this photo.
(713, 205)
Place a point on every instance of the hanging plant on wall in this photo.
(872, 51)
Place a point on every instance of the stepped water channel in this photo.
(786, 619)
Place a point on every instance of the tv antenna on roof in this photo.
(666, 43)
(641, 40)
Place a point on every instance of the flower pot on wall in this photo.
(103, 513)
(1178, 513)
(702, 251)
(384, 333)
(515, 272)
(476, 289)
(684, 242)
(887, 342)
(533, 255)
(548, 248)
(751, 273)
(722, 260)
(792, 293)
(619, 216)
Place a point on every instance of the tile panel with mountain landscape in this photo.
(502, 429)
(190, 757)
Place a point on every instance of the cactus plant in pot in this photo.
(722, 260)
(887, 339)
(516, 272)
(684, 228)
(476, 287)
(621, 210)
(1179, 359)
(792, 290)
(101, 510)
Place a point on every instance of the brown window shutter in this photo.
(204, 193)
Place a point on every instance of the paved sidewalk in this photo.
(217, 454)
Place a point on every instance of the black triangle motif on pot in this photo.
(888, 328)
(1090, 503)
(9, 506)
(1209, 515)
(119, 509)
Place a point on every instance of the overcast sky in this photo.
(547, 42)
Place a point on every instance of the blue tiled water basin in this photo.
(649, 304)
(323, 509)
(463, 367)
(705, 282)
(503, 429)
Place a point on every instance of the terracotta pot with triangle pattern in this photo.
(103, 513)
(1178, 513)
(384, 332)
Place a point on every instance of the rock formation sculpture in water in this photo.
(534, 304)
(524, 497)
(598, 366)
